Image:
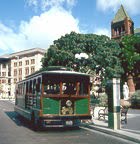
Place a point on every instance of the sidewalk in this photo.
(129, 131)
(10, 100)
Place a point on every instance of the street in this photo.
(16, 130)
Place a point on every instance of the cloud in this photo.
(45, 4)
(39, 31)
(10, 41)
(102, 31)
(132, 6)
(105, 5)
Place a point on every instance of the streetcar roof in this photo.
(56, 72)
(65, 72)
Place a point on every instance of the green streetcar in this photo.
(55, 98)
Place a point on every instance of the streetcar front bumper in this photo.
(62, 121)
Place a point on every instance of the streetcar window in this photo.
(27, 89)
(34, 86)
(30, 89)
(70, 85)
(22, 88)
(51, 88)
(69, 88)
(78, 88)
(83, 88)
(38, 85)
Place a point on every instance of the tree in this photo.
(102, 51)
(130, 58)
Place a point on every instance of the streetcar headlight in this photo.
(68, 103)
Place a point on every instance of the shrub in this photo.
(135, 100)
(103, 100)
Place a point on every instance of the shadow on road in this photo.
(21, 121)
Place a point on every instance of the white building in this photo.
(4, 76)
(16, 66)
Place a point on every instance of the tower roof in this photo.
(121, 15)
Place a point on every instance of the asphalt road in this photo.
(16, 130)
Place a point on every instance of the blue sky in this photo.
(26, 24)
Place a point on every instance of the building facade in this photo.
(16, 66)
(4, 76)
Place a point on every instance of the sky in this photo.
(26, 24)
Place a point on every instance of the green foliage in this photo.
(135, 100)
(102, 52)
(103, 100)
(130, 52)
(94, 101)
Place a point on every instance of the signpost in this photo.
(113, 91)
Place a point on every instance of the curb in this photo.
(118, 133)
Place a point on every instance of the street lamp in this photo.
(81, 57)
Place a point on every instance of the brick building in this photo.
(122, 24)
